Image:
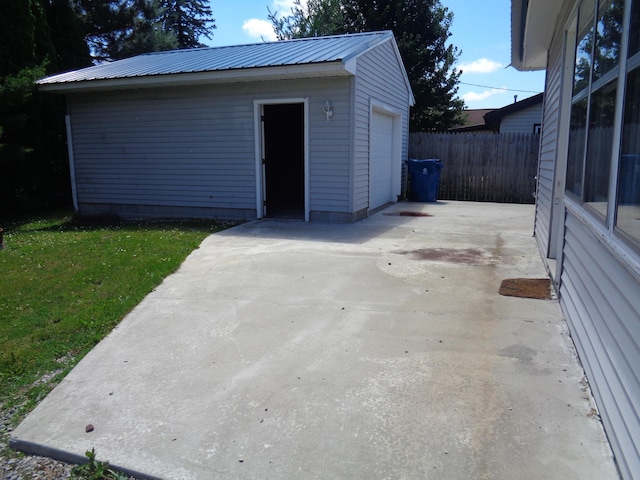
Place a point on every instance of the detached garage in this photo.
(311, 129)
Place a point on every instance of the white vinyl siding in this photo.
(379, 77)
(598, 286)
(548, 152)
(599, 297)
(194, 147)
(522, 121)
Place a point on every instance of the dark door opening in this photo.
(283, 130)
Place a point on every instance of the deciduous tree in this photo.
(422, 31)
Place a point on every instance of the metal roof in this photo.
(289, 53)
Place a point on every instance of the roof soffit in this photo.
(532, 26)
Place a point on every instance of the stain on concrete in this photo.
(408, 214)
(464, 256)
(520, 352)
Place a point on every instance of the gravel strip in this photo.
(18, 466)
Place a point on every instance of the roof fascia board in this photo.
(327, 69)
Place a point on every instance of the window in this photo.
(628, 201)
(593, 104)
(604, 135)
(599, 144)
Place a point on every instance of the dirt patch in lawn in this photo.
(539, 288)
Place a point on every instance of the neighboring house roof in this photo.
(299, 58)
(531, 32)
(494, 117)
(473, 120)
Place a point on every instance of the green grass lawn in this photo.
(64, 285)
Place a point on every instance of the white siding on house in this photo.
(191, 150)
(598, 291)
(600, 299)
(378, 78)
(522, 121)
(548, 151)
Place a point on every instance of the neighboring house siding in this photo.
(522, 121)
(548, 151)
(193, 150)
(600, 300)
(378, 78)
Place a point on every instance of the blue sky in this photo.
(481, 30)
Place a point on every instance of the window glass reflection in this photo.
(634, 31)
(628, 210)
(599, 144)
(583, 62)
(575, 158)
(608, 35)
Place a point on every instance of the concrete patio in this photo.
(374, 350)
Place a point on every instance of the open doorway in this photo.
(283, 160)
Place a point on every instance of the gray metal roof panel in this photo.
(339, 48)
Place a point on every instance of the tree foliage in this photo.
(118, 29)
(188, 21)
(122, 28)
(36, 39)
(422, 31)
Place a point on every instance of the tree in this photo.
(17, 36)
(421, 29)
(187, 20)
(33, 157)
(315, 19)
(117, 29)
(67, 34)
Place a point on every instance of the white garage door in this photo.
(380, 159)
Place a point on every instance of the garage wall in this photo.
(190, 151)
(379, 77)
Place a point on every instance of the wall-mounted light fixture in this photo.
(328, 111)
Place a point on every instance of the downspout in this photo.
(72, 166)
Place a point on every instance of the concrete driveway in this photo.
(374, 350)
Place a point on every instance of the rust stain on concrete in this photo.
(464, 256)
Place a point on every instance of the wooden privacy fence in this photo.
(482, 167)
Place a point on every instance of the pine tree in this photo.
(33, 157)
(117, 29)
(67, 34)
(188, 20)
(17, 36)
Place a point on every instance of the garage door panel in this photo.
(380, 159)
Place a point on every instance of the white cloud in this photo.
(261, 29)
(285, 5)
(470, 97)
(482, 65)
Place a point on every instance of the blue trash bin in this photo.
(424, 179)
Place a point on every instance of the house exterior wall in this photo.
(191, 151)
(598, 269)
(548, 152)
(522, 121)
(379, 79)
